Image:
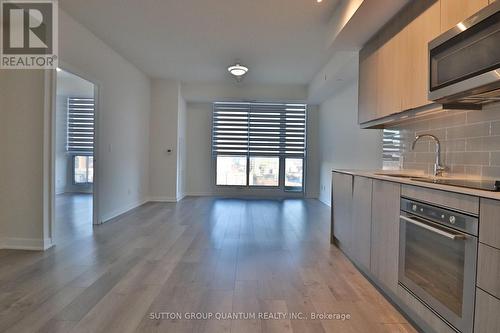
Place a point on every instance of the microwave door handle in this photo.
(430, 228)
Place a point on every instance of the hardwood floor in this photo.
(73, 216)
(201, 255)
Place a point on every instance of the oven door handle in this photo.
(431, 228)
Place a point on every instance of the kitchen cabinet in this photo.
(361, 222)
(415, 68)
(489, 232)
(393, 68)
(487, 319)
(342, 190)
(389, 76)
(385, 233)
(367, 98)
(455, 11)
(488, 269)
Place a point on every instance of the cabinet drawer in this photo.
(488, 269)
(462, 202)
(489, 223)
(487, 319)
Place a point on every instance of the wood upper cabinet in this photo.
(389, 76)
(361, 221)
(342, 187)
(455, 11)
(385, 233)
(367, 96)
(415, 67)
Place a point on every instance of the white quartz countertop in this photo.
(385, 175)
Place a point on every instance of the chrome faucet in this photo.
(438, 167)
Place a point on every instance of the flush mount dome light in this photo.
(238, 71)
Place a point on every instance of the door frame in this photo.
(51, 86)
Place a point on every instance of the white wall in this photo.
(123, 116)
(313, 165)
(21, 176)
(200, 171)
(164, 122)
(208, 92)
(342, 144)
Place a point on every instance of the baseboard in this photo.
(121, 211)
(200, 194)
(162, 199)
(29, 244)
(328, 203)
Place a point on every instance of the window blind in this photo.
(391, 148)
(81, 115)
(259, 129)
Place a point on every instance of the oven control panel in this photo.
(441, 215)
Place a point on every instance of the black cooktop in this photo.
(487, 185)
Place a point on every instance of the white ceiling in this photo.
(281, 41)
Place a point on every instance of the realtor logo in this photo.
(28, 34)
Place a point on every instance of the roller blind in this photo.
(391, 148)
(259, 129)
(81, 114)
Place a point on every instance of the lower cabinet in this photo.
(342, 187)
(487, 319)
(361, 222)
(366, 226)
(385, 234)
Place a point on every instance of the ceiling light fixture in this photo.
(318, 1)
(238, 71)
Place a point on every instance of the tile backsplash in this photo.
(470, 142)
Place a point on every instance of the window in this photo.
(264, 171)
(83, 169)
(294, 174)
(259, 144)
(80, 139)
(391, 149)
(231, 170)
(80, 125)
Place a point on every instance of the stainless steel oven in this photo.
(464, 62)
(437, 260)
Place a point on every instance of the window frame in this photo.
(282, 160)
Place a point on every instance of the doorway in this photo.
(75, 124)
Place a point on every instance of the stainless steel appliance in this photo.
(437, 260)
(464, 62)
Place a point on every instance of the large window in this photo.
(259, 144)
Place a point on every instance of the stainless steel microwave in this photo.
(464, 62)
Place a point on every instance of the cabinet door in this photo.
(361, 221)
(342, 203)
(389, 76)
(417, 35)
(455, 11)
(367, 96)
(487, 319)
(385, 233)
